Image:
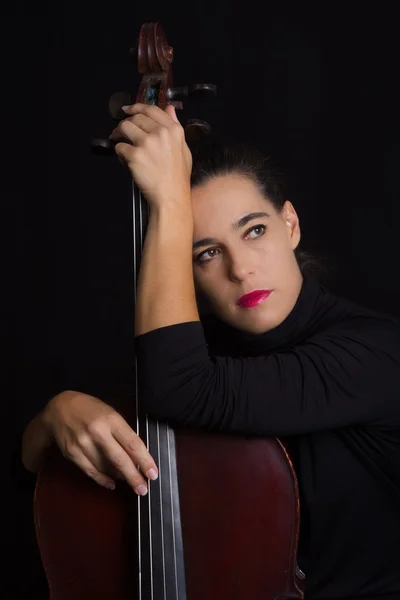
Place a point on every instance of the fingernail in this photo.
(125, 107)
(152, 474)
(141, 489)
(110, 486)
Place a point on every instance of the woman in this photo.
(287, 358)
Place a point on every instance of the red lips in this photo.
(253, 298)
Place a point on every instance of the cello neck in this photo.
(160, 548)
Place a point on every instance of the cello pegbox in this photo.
(154, 57)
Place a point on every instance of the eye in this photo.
(207, 255)
(257, 230)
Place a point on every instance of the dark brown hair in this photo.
(214, 159)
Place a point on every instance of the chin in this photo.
(251, 320)
(255, 328)
(255, 324)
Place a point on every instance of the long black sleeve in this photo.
(347, 374)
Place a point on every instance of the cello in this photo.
(199, 534)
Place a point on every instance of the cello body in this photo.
(240, 521)
(224, 522)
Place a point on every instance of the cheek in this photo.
(202, 283)
(273, 260)
(279, 248)
(209, 284)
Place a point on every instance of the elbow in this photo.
(27, 459)
(181, 398)
(35, 442)
(174, 407)
(157, 404)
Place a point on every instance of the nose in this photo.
(240, 266)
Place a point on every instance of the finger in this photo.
(153, 112)
(144, 122)
(128, 131)
(136, 449)
(171, 112)
(124, 152)
(114, 473)
(90, 470)
(97, 458)
(124, 464)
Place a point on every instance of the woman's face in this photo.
(242, 244)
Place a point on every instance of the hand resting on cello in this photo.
(94, 436)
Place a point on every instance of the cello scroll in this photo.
(154, 58)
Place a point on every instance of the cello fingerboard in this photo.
(160, 546)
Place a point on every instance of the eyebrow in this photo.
(237, 225)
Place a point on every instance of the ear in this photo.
(292, 223)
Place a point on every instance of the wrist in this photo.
(172, 202)
(47, 416)
(172, 220)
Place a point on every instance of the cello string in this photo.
(137, 392)
(144, 207)
(169, 432)
(150, 519)
(161, 511)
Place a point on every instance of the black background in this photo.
(315, 88)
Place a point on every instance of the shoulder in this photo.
(356, 326)
(358, 354)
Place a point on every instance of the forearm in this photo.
(35, 441)
(166, 294)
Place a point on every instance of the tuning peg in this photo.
(177, 104)
(102, 146)
(196, 90)
(115, 104)
(105, 146)
(196, 129)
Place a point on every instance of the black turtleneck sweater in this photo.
(327, 379)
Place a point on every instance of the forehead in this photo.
(224, 199)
